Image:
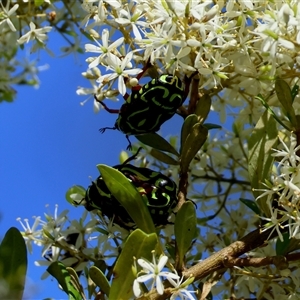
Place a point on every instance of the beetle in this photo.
(157, 190)
(148, 107)
(99, 197)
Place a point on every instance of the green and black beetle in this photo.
(157, 190)
(149, 106)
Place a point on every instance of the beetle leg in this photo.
(129, 147)
(132, 157)
(110, 110)
(187, 82)
(136, 88)
(138, 77)
(145, 68)
(102, 130)
(126, 96)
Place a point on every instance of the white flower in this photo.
(131, 16)
(275, 221)
(102, 49)
(47, 1)
(118, 66)
(274, 30)
(110, 232)
(245, 4)
(91, 92)
(32, 234)
(180, 288)
(31, 71)
(162, 41)
(137, 288)
(91, 10)
(288, 153)
(181, 59)
(33, 33)
(284, 189)
(153, 272)
(214, 71)
(6, 14)
(114, 3)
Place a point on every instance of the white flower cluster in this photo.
(283, 193)
(236, 46)
(23, 24)
(54, 236)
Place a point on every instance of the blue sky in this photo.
(50, 142)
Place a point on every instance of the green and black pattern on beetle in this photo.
(98, 197)
(157, 190)
(149, 106)
(165, 93)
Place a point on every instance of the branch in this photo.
(218, 260)
(222, 258)
(280, 262)
(222, 179)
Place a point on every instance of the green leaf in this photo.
(123, 156)
(138, 245)
(192, 145)
(282, 246)
(171, 250)
(260, 160)
(295, 91)
(163, 157)
(293, 245)
(285, 97)
(203, 221)
(210, 126)
(100, 279)
(185, 228)
(186, 128)
(13, 263)
(71, 33)
(226, 240)
(252, 205)
(128, 196)
(48, 234)
(75, 194)
(157, 142)
(203, 108)
(38, 2)
(272, 113)
(61, 274)
(75, 280)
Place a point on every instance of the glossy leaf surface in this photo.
(99, 279)
(260, 160)
(185, 228)
(13, 263)
(61, 274)
(128, 196)
(139, 245)
(194, 142)
(157, 142)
